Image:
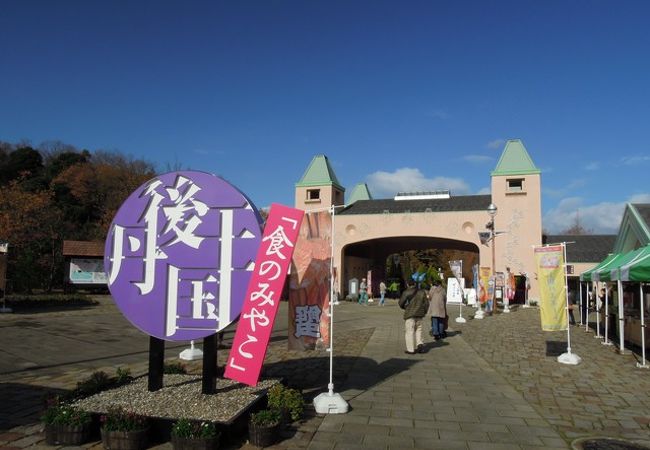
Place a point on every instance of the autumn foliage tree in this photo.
(57, 193)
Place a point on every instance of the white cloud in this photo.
(640, 198)
(387, 184)
(477, 159)
(594, 165)
(633, 160)
(601, 218)
(484, 191)
(496, 144)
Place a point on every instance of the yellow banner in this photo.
(484, 280)
(552, 291)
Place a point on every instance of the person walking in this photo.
(363, 292)
(382, 293)
(437, 310)
(415, 304)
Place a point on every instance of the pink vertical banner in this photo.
(309, 294)
(263, 295)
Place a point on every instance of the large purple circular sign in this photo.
(179, 255)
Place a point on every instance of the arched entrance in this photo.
(397, 257)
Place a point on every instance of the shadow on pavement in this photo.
(23, 404)
(312, 375)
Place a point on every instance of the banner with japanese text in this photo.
(263, 295)
(552, 290)
(309, 294)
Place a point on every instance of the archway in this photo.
(373, 254)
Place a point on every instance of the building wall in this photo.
(519, 216)
(329, 195)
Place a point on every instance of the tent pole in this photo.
(606, 341)
(643, 364)
(581, 310)
(621, 318)
(598, 306)
(590, 293)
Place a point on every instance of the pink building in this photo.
(367, 230)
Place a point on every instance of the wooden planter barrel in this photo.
(262, 435)
(67, 434)
(125, 440)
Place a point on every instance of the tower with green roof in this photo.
(319, 188)
(516, 192)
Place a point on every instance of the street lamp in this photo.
(492, 212)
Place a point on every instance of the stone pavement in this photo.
(492, 384)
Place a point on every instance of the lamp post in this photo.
(4, 248)
(492, 212)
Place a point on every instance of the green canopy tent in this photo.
(636, 267)
(586, 276)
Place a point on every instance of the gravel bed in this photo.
(180, 397)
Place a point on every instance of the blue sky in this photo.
(411, 95)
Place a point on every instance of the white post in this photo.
(606, 341)
(643, 365)
(461, 319)
(598, 306)
(590, 295)
(330, 402)
(621, 318)
(568, 357)
(581, 310)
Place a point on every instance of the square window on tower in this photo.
(515, 185)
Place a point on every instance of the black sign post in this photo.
(156, 363)
(209, 383)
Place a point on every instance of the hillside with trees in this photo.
(56, 192)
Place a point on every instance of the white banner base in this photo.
(330, 403)
(569, 358)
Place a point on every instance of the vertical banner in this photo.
(550, 272)
(263, 295)
(483, 282)
(309, 294)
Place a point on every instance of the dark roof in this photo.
(381, 206)
(83, 248)
(644, 212)
(585, 248)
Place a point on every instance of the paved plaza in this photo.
(492, 384)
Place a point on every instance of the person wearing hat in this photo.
(437, 310)
(415, 304)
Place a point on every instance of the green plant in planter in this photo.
(191, 429)
(266, 417)
(65, 424)
(286, 399)
(59, 413)
(119, 419)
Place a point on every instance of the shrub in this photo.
(185, 428)
(174, 368)
(288, 399)
(119, 419)
(266, 417)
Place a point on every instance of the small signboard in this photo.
(87, 271)
(455, 290)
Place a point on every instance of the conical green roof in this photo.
(319, 173)
(515, 160)
(359, 192)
